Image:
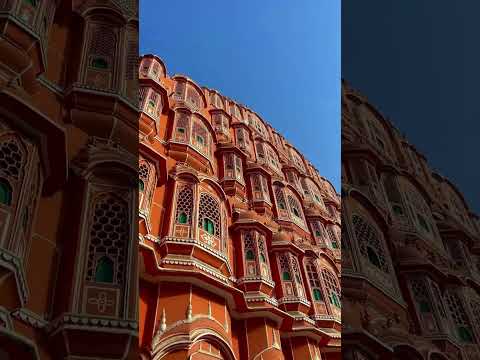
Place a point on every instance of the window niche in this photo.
(255, 263)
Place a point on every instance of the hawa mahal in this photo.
(239, 235)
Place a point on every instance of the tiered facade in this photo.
(239, 234)
(410, 248)
(68, 179)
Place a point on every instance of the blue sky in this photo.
(280, 58)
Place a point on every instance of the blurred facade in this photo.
(68, 179)
(410, 248)
(239, 234)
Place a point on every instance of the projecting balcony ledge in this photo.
(193, 248)
(328, 321)
(256, 284)
(186, 153)
(21, 50)
(294, 303)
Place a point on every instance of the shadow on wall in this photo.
(410, 248)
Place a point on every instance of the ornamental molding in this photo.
(98, 150)
(30, 318)
(254, 279)
(84, 322)
(84, 88)
(206, 247)
(294, 299)
(195, 263)
(259, 297)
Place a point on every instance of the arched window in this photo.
(331, 285)
(314, 281)
(295, 209)
(420, 294)
(333, 237)
(5, 192)
(182, 127)
(256, 262)
(318, 231)
(101, 52)
(209, 215)
(109, 234)
(421, 213)
(184, 205)
(290, 275)
(146, 184)
(459, 316)
(260, 188)
(200, 137)
(370, 243)
(260, 151)
(285, 268)
(280, 197)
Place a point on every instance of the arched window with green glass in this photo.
(370, 242)
(184, 204)
(209, 218)
(332, 288)
(295, 208)
(106, 260)
(314, 281)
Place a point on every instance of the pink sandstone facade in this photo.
(239, 234)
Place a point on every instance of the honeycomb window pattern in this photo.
(12, 158)
(184, 205)
(209, 209)
(108, 236)
(331, 285)
(143, 171)
(369, 242)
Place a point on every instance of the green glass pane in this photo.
(286, 276)
(104, 270)
(99, 63)
(398, 210)
(334, 245)
(200, 139)
(281, 206)
(465, 334)
(425, 307)
(317, 294)
(141, 185)
(181, 130)
(262, 257)
(31, 2)
(373, 257)
(208, 226)
(5, 192)
(295, 211)
(182, 218)
(250, 255)
(317, 233)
